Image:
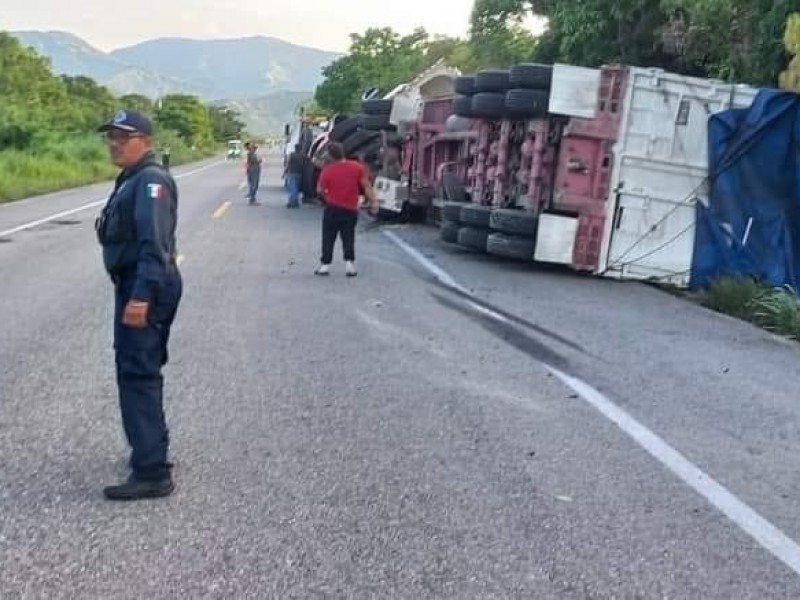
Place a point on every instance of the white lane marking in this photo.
(441, 275)
(748, 520)
(429, 265)
(92, 204)
(764, 532)
(38, 222)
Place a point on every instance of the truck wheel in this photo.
(474, 214)
(358, 140)
(473, 237)
(531, 76)
(378, 123)
(376, 106)
(451, 211)
(517, 222)
(465, 85)
(510, 246)
(346, 128)
(492, 80)
(463, 106)
(527, 103)
(449, 232)
(489, 105)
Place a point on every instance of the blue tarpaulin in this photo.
(751, 226)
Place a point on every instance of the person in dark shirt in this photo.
(136, 229)
(295, 166)
(253, 168)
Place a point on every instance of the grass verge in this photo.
(775, 309)
(59, 163)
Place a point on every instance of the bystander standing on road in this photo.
(136, 229)
(295, 165)
(253, 169)
(340, 185)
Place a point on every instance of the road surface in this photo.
(444, 426)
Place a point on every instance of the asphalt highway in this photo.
(445, 425)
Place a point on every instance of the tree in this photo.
(89, 103)
(595, 32)
(748, 48)
(139, 103)
(380, 58)
(225, 123)
(455, 52)
(188, 117)
(790, 78)
(28, 90)
(497, 35)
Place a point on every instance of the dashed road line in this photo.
(221, 209)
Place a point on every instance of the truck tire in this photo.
(515, 222)
(369, 153)
(448, 232)
(463, 106)
(358, 140)
(476, 215)
(527, 103)
(473, 237)
(489, 105)
(451, 211)
(378, 123)
(531, 76)
(465, 85)
(376, 106)
(510, 246)
(492, 80)
(346, 128)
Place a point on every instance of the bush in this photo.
(734, 296)
(778, 310)
(775, 309)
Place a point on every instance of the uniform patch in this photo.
(155, 190)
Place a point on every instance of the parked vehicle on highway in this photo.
(234, 149)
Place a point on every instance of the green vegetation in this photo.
(48, 123)
(775, 309)
(744, 41)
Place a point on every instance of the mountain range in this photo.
(262, 76)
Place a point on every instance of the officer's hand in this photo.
(135, 314)
(373, 210)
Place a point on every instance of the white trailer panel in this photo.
(660, 171)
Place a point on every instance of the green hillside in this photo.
(48, 123)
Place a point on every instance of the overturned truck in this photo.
(604, 171)
(600, 170)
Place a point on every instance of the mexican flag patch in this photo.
(155, 190)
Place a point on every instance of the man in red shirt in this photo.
(340, 185)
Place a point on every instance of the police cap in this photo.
(130, 121)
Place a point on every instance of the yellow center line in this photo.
(179, 260)
(220, 210)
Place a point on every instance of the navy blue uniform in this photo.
(137, 232)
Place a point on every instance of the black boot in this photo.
(135, 489)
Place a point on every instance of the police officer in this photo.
(137, 232)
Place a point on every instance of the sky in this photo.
(110, 24)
